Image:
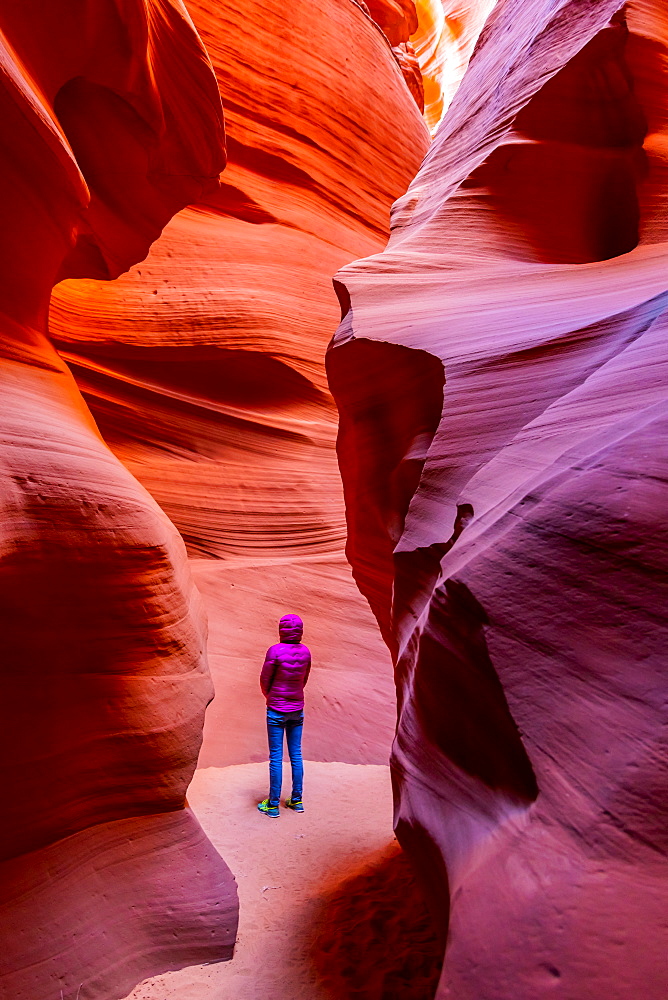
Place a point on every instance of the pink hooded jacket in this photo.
(286, 667)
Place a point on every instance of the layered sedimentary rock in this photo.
(111, 122)
(203, 365)
(500, 373)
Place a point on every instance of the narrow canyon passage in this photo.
(204, 369)
(288, 871)
(295, 942)
(326, 910)
(203, 365)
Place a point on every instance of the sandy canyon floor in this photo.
(327, 903)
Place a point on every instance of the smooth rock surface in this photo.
(504, 472)
(104, 678)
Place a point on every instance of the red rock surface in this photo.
(203, 368)
(203, 365)
(504, 473)
(111, 122)
(397, 18)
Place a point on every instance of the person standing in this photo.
(284, 673)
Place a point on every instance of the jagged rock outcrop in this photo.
(111, 122)
(203, 365)
(501, 378)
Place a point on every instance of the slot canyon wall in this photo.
(198, 373)
(504, 474)
(105, 874)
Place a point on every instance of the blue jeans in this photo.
(290, 723)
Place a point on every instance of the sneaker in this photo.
(268, 809)
(295, 804)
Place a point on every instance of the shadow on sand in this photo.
(374, 939)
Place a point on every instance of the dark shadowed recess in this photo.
(390, 400)
(418, 570)
(134, 190)
(249, 380)
(375, 939)
(429, 868)
(233, 203)
(459, 699)
(459, 727)
(568, 186)
(278, 168)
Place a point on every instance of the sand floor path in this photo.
(288, 870)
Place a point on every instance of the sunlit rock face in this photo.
(443, 42)
(432, 41)
(111, 122)
(504, 467)
(204, 364)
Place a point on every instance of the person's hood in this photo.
(291, 628)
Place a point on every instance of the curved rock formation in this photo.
(443, 41)
(203, 365)
(397, 18)
(503, 469)
(111, 122)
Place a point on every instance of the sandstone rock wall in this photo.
(446, 33)
(504, 472)
(105, 875)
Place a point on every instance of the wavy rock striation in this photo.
(504, 470)
(203, 365)
(111, 122)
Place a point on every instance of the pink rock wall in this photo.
(106, 876)
(503, 470)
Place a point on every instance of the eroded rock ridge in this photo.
(504, 471)
(106, 875)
